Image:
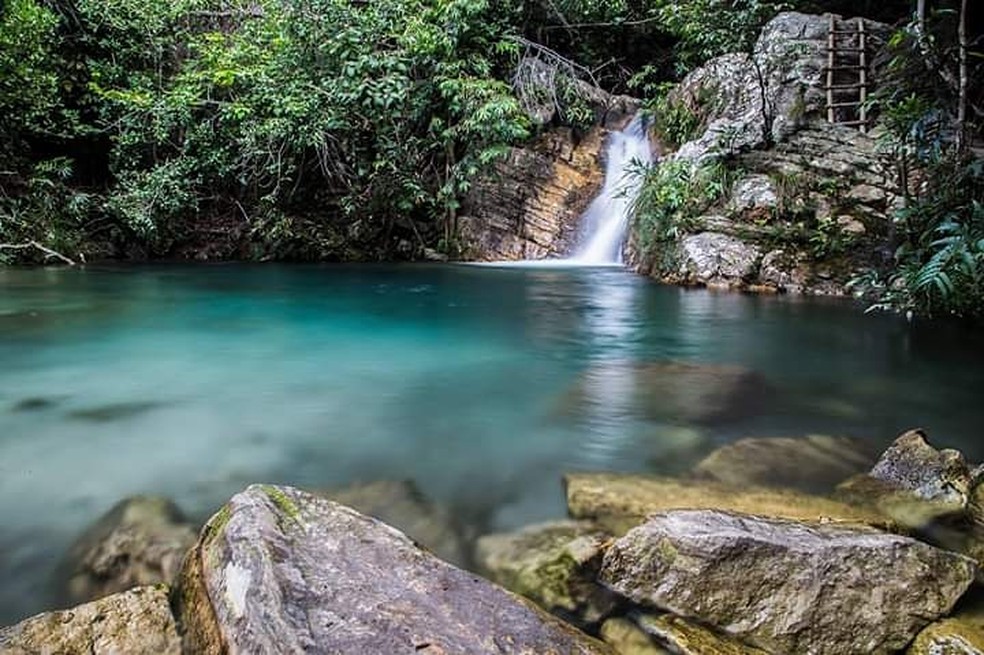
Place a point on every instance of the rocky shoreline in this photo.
(852, 555)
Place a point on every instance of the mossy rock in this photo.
(554, 565)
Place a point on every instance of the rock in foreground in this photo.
(140, 541)
(400, 503)
(553, 564)
(619, 501)
(788, 587)
(280, 570)
(135, 622)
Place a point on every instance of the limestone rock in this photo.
(553, 564)
(755, 194)
(402, 505)
(629, 639)
(140, 541)
(788, 587)
(618, 502)
(688, 638)
(676, 392)
(281, 570)
(949, 637)
(715, 259)
(815, 463)
(528, 206)
(134, 622)
(912, 464)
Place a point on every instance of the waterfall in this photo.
(606, 220)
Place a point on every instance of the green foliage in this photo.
(678, 119)
(939, 264)
(28, 70)
(44, 209)
(708, 28)
(378, 109)
(672, 197)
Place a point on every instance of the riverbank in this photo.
(854, 555)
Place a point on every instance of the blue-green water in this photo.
(193, 381)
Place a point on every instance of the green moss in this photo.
(217, 524)
(667, 551)
(282, 501)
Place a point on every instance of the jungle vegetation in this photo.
(348, 129)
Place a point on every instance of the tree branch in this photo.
(34, 244)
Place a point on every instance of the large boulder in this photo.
(400, 503)
(814, 463)
(670, 391)
(140, 541)
(134, 622)
(715, 260)
(619, 502)
(553, 564)
(281, 570)
(785, 586)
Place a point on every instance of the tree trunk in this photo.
(962, 102)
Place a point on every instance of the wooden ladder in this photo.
(847, 76)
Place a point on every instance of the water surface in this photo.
(481, 384)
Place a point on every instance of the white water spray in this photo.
(607, 218)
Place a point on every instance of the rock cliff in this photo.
(795, 202)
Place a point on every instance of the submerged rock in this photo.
(912, 464)
(280, 570)
(682, 392)
(949, 637)
(553, 564)
(134, 622)
(618, 502)
(140, 541)
(785, 586)
(400, 503)
(814, 463)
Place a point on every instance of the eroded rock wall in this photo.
(806, 203)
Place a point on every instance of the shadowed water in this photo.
(482, 384)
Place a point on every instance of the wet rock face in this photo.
(788, 587)
(815, 463)
(141, 541)
(135, 622)
(619, 502)
(529, 206)
(401, 504)
(280, 570)
(553, 564)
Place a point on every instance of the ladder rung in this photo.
(840, 49)
(841, 105)
(843, 32)
(845, 68)
(851, 123)
(846, 87)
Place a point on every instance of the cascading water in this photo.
(607, 218)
